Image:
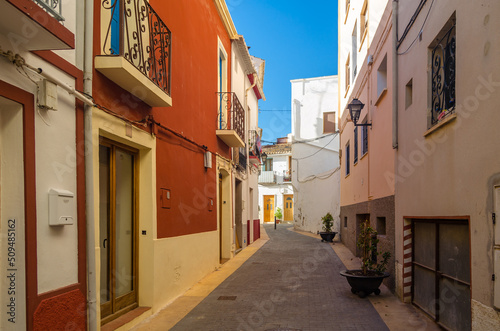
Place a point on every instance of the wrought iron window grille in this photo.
(136, 32)
(364, 136)
(53, 7)
(231, 115)
(443, 76)
(355, 145)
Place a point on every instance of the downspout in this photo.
(247, 120)
(89, 171)
(395, 68)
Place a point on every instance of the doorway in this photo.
(268, 208)
(288, 212)
(117, 229)
(441, 271)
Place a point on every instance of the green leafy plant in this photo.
(327, 222)
(367, 243)
(278, 213)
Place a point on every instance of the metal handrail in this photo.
(53, 7)
(231, 115)
(144, 39)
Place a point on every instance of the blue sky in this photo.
(298, 39)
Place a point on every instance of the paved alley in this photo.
(291, 283)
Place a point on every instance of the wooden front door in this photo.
(117, 230)
(288, 204)
(268, 208)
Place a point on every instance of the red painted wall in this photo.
(195, 26)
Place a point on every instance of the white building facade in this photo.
(247, 83)
(275, 184)
(315, 152)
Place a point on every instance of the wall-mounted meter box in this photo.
(61, 207)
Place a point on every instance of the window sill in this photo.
(363, 156)
(346, 91)
(448, 119)
(347, 13)
(381, 96)
(347, 175)
(363, 37)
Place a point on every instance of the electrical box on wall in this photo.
(47, 95)
(61, 207)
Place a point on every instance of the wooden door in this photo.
(268, 208)
(288, 204)
(117, 230)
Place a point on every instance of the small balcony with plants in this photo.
(254, 147)
(136, 50)
(230, 120)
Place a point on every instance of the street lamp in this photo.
(355, 108)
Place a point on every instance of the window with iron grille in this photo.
(355, 145)
(347, 160)
(443, 54)
(364, 140)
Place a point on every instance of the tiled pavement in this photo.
(291, 283)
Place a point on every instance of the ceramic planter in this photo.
(364, 285)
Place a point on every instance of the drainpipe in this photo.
(89, 171)
(395, 74)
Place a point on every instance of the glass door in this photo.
(117, 230)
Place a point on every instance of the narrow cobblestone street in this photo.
(291, 283)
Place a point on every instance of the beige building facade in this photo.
(365, 69)
(446, 173)
(430, 93)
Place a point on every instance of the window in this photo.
(347, 160)
(443, 73)
(364, 139)
(347, 4)
(381, 226)
(268, 166)
(329, 122)
(354, 51)
(409, 94)
(222, 117)
(355, 144)
(382, 77)
(363, 22)
(345, 221)
(347, 73)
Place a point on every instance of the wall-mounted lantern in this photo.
(355, 108)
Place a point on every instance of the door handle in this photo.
(104, 243)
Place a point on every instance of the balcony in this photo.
(53, 7)
(34, 25)
(230, 120)
(255, 148)
(287, 176)
(136, 50)
(267, 177)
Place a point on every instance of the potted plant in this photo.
(278, 214)
(367, 280)
(327, 234)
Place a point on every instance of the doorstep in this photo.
(128, 320)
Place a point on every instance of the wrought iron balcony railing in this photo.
(136, 32)
(53, 7)
(231, 115)
(267, 177)
(287, 175)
